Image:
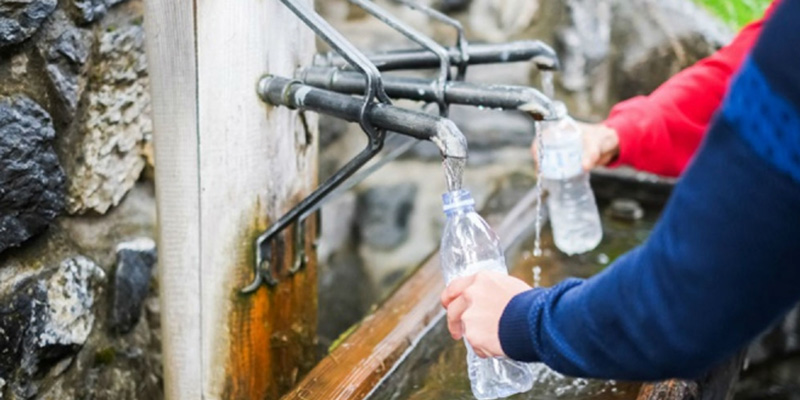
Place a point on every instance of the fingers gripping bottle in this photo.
(469, 245)
(570, 202)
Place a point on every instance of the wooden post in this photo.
(226, 166)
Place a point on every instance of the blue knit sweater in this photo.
(722, 264)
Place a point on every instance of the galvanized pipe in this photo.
(461, 37)
(507, 97)
(293, 94)
(412, 34)
(535, 51)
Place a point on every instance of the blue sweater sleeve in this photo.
(721, 264)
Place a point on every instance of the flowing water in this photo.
(549, 91)
(454, 172)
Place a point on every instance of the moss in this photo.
(342, 338)
(105, 356)
(736, 13)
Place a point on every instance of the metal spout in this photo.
(294, 94)
(535, 51)
(450, 140)
(507, 97)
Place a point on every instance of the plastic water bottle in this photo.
(571, 204)
(469, 245)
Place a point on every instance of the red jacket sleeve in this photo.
(659, 133)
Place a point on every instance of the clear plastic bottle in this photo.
(571, 204)
(469, 245)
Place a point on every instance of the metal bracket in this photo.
(417, 37)
(461, 38)
(373, 90)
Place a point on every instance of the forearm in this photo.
(714, 272)
(662, 131)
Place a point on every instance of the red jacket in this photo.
(660, 133)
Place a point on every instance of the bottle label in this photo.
(561, 163)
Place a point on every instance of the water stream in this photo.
(454, 172)
(549, 91)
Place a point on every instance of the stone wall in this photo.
(79, 315)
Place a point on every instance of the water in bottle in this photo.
(571, 204)
(469, 245)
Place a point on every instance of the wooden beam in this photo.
(227, 165)
(170, 50)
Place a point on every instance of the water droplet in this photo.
(602, 258)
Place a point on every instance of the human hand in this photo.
(474, 306)
(600, 145)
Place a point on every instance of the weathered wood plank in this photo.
(171, 56)
(234, 165)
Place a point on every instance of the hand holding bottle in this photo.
(600, 146)
(474, 306)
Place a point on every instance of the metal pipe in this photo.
(461, 37)
(507, 97)
(293, 94)
(349, 55)
(539, 53)
(417, 37)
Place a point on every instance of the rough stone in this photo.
(44, 319)
(384, 214)
(19, 20)
(31, 179)
(89, 10)
(626, 210)
(338, 223)
(499, 20)
(659, 39)
(114, 125)
(65, 49)
(452, 6)
(779, 341)
(330, 130)
(135, 260)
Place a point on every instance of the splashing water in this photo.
(537, 276)
(454, 172)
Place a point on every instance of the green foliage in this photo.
(736, 13)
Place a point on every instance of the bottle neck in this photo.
(457, 202)
(459, 211)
